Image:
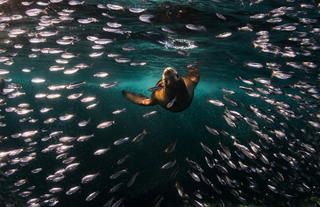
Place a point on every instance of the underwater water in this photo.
(68, 137)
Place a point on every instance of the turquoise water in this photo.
(250, 136)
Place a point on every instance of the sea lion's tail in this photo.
(138, 98)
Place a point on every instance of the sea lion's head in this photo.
(171, 78)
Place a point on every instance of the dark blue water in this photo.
(250, 136)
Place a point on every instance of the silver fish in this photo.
(206, 148)
(72, 167)
(146, 115)
(168, 165)
(84, 138)
(119, 111)
(89, 178)
(216, 102)
(139, 137)
(83, 123)
(73, 190)
(212, 131)
(117, 174)
(105, 124)
(121, 140)
(171, 147)
(101, 151)
(170, 104)
(91, 196)
(120, 161)
(115, 188)
(132, 180)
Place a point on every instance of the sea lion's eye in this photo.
(177, 76)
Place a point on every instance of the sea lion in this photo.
(173, 92)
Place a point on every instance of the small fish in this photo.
(72, 167)
(117, 174)
(38, 80)
(122, 60)
(119, 111)
(168, 165)
(89, 178)
(121, 141)
(146, 18)
(83, 123)
(196, 27)
(75, 85)
(212, 131)
(88, 99)
(179, 189)
(220, 16)
(117, 203)
(74, 96)
(101, 75)
(109, 202)
(280, 74)
(120, 161)
(66, 117)
(216, 102)
(45, 110)
(73, 190)
(224, 35)
(170, 104)
(146, 115)
(29, 133)
(206, 149)
(230, 101)
(101, 151)
(171, 147)
(68, 160)
(115, 7)
(194, 176)
(314, 124)
(36, 171)
(105, 124)
(136, 10)
(66, 139)
(85, 138)
(139, 137)
(91, 196)
(115, 188)
(20, 182)
(159, 201)
(108, 85)
(55, 190)
(132, 180)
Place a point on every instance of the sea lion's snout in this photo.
(169, 70)
(170, 76)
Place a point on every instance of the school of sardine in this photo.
(68, 137)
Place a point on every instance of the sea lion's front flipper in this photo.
(193, 75)
(138, 98)
(158, 86)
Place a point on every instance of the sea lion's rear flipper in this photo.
(138, 98)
